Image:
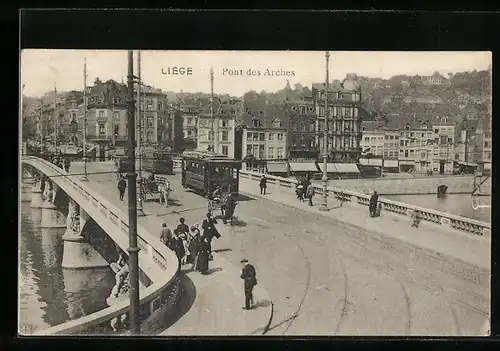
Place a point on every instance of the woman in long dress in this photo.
(194, 238)
(202, 257)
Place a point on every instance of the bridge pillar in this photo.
(36, 191)
(51, 217)
(77, 252)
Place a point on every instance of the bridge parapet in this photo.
(464, 224)
(157, 264)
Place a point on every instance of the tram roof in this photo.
(207, 156)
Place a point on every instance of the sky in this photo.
(42, 68)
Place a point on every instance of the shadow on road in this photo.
(262, 303)
(243, 198)
(186, 301)
(213, 270)
(238, 222)
(222, 250)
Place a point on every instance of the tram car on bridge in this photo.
(157, 161)
(204, 171)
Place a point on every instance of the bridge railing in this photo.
(155, 260)
(464, 224)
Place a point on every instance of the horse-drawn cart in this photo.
(158, 189)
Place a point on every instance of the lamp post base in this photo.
(324, 205)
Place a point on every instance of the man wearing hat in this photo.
(249, 277)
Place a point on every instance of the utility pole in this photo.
(324, 206)
(41, 126)
(133, 250)
(212, 107)
(56, 118)
(139, 111)
(85, 178)
(140, 210)
(113, 138)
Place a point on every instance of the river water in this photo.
(457, 204)
(48, 294)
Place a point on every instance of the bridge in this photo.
(327, 273)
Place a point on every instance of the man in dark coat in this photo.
(122, 185)
(263, 185)
(177, 246)
(209, 230)
(183, 227)
(249, 277)
(373, 204)
(229, 209)
(203, 256)
(166, 234)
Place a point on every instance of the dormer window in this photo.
(256, 123)
(277, 123)
(339, 95)
(261, 113)
(311, 109)
(407, 127)
(294, 108)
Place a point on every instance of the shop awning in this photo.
(470, 164)
(371, 162)
(303, 167)
(277, 167)
(340, 168)
(391, 163)
(346, 168)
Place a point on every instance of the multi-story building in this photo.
(190, 125)
(466, 149)
(344, 120)
(416, 146)
(264, 138)
(484, 143)
(154, 120)
(443, 145)
(217, 132)
(380, 145)
(69, 116)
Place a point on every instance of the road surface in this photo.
(330, 278)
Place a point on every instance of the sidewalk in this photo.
(210, 304)
(469, 248)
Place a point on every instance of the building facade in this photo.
(190, 125)
(344, 120)
(416, 147)
(302, 132)
(380, 145)
(264, 138)
(218, 133)
(443, 145)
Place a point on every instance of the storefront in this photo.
(279, 169)
(299, 169)
(341, 170)
(406, 166)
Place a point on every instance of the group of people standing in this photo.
(191, 246)
(305, 189)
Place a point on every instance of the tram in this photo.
(204, 171)
(157, 161)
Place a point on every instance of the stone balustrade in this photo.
(346, 196)
(157, 264)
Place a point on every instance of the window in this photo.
(117, 130)
(436, 131)
(280, 152)
(280, 136)
(249, 136)
(210, 135)
(262, 136)
(386, 137)
(339, 95)
(256, 123)
(101, 114)
(322, 110)
(249, 149)
(450, 141)
(407, 127)
(225, 150)
(412, 152)
(385, 153)
(422, 154)
(150, 137)
(261, 152)
(160, 106)
(190, 121)
(117, 115)
(150, 121)
(224, 136)
(277, 123)
(149, 105)
(270, 153)
(102, 129)
(401, 143)
(486, 144)
(423, 135)
(224, 123)
(255, 151)
(271, 136)
(411, 134)
(190, 134)
(367, 139)
(391, 153)
(391, 137)
(396, 153)
(255, 136)
(406, 153)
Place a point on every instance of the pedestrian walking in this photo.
(183, 227)
(67, 164)
(165, 234)
(209, 229)
(194, 241)
(373, 204)
(263, 185)
(249, 276)
(310, 193)
(203, 255)
(122, 185)
(177, 246)
(416, 218)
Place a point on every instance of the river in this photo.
(48, 294)
(457, 204)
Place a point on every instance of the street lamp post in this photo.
(41, 126)
(133, 250)
(140, 209)
(85, 178)
(324, 206)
